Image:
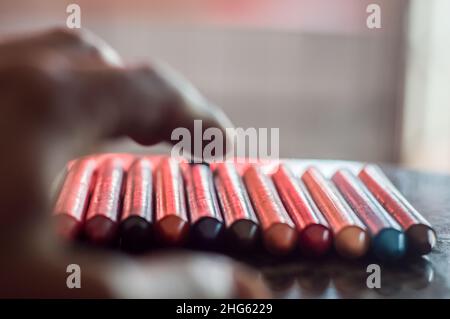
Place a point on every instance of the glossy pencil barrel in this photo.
(421, 237)
(103, 213)
(315, 238)
(388, 239)
(172, 222)
(137, 213)
(278, 230)
(71, 205)
(206, 220)
(242, 226)
(351, 238)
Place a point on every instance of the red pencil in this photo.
(315, 237)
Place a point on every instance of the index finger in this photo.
(146, 103)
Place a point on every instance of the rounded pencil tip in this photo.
(172, 230)
(315, 240)
(207, 232)
(352, 242)
(100, 230)
(135, 234)
(280, 239)
(389, 244)
(66, 227)
(243, 234)
(421, 239)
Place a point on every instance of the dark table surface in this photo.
(424, 277)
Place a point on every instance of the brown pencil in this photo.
(171, 220)
(278, 230)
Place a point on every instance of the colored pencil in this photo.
(137, 214)
(242, 225)
(172, 221)
(278, 230)
(421, 236)
(315, 237)
(104, 208)
(351, 238)
(73, 199)
(388, 239)
(207, 225)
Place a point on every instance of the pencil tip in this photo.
(243, 234)
(352, 242)
(389, 244)
(172, 230)
(315, 240)
(135, 234)
(421, 238)
(208, 229)
(280, 239)
(66, 227)
(100, 230)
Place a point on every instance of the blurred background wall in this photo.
(426, 129)
(335, 88)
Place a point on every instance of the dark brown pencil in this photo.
(421, 236)
(137, 213)
(206, 220)
(242, 226)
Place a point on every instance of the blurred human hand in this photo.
(63, 92)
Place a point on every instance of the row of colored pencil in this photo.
(173, 203)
